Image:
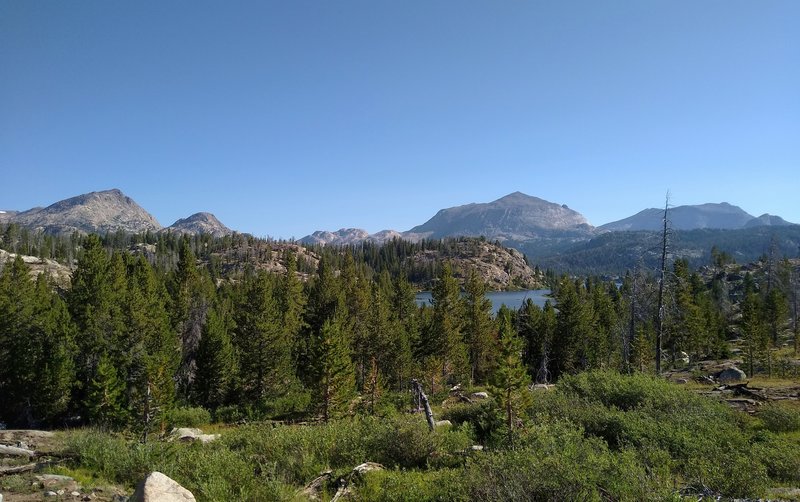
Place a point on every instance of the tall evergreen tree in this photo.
(572, 329)
(36, 349)
(152, 347)
(510, 381)
(445, 341)
(334, 382)
(105, 401)
(325, 299)
(292, 303)
(265, 352)
(753, 329)
(478, 328)
(191, 294)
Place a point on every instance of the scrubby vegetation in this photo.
(304, 373)
(598, 436)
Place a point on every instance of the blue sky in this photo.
(287, 117)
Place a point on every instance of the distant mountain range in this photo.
(721, 216)
(106, 211)
(518, 219)
(548, 233)
(555, 236)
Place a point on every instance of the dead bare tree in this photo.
(419, 394)
(661, 283)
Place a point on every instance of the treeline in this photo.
(616, 252)
(135, 335)
(236, 254)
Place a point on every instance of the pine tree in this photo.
(292, 303)
(93, 305)
(325, 299)
(152, 347)
(54, 336)
(356, 289)
(572, 329)
(333, 369)
(105, 401)
(478, 328)
(265, 360)
(445, 339)
(217, 363)
(36, 349)
(191, 292)
(510, 381)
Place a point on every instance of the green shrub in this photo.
(707, 443)
(290, 404)
(229, 414)
(780, 456)
(188, 417)
(444, 485)
(557, 462)
(483, 417)
(779, 416)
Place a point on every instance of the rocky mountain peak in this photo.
(200, 223)
(516, 216)
(94, 212)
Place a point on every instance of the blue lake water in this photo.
(511, 299)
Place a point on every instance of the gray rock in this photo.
(75, 494)
(190, 434)
(479, 395)
(443, 423)
(50, 494)
(158, 487)
(732, 375)
(367, 467)
(53, 478)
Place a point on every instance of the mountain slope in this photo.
(515, 217)
(767, 220)
(200, 223)
(719, 216)
(94, 212)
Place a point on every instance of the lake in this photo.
(511, 299)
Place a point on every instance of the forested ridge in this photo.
(151, 328)
(169, 320)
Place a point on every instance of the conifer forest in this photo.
(302, 360)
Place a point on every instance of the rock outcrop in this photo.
(199, 223)
(158, 487)
(95, 212)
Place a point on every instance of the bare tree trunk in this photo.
(794, 286)
(663, 269)
(628, 343)
(426, 405)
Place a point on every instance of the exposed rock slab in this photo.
(158, 487)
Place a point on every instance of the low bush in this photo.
(445, 485)
(483, 417)
(780, 416)
(188, 417)
(557, 461)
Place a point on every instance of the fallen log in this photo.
(16, 469)
(16, 452)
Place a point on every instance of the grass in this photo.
(598, 436)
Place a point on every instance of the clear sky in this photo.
(285, 117)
